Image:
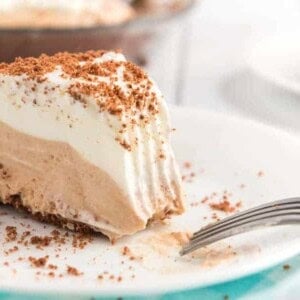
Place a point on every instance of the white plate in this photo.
(277, 59)
(224, 153)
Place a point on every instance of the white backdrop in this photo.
(216, 75)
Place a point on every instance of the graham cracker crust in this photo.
(16, 202)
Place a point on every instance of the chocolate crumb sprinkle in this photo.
(73, 271)
(11, 233)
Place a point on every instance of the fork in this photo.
(281, 212)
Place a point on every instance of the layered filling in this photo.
(86, 137)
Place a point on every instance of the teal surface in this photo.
(276, 283)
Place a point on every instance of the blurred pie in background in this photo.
(145, 31)
(63, 13)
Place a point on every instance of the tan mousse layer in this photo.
(50, 177)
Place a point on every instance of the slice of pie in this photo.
(85, 143)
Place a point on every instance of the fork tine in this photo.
(236, 221)
(262, 216)
(249, 212)
(280, 212)
(271, 221)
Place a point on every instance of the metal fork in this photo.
(282, 212)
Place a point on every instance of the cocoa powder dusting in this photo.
(107, 94)
(95, 82)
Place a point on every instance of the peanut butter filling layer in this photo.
(52, 178)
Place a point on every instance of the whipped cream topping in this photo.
(115, 117)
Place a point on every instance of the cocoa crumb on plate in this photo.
(73, 271)
(38, 262)
(11, 233)
(260, 173)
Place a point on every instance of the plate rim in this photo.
(98, 292)
(264, 73)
